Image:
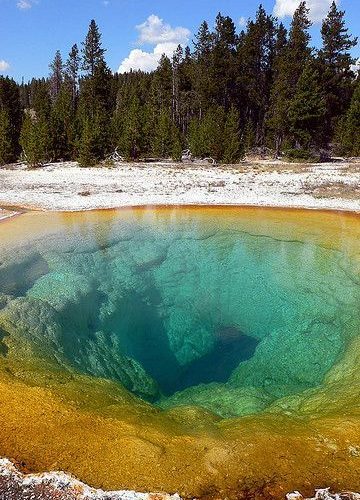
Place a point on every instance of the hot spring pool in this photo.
(182, 349)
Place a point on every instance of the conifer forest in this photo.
(231, 92)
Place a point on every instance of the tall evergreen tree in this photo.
(10, 108)
(335, 63)
(291, 58)
(277, 113)
(299, 50)
(92, 51)
(56, 75)
(6, 153)
(72, 68)
(176, 65)
(307, 109)
(34, 139)
(163, 139)
(130, 140)
(206, 138)
(62, 126)
(89, 143)
(201, 74)
(256, 61)
(232, 144)
(223, 61)
(349, 130)
(96, 99)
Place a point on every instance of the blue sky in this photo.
(134, 32)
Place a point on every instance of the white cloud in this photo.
(161, 36)
(147, 61)
(4, 66)
(318, 8)
(24, 4)
(154, 31)
(242, 22)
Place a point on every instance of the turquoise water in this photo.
(182, 309)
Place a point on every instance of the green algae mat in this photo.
(209, 351)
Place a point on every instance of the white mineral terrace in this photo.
(65, 186)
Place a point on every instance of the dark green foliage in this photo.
(72, 73)
(88, 144)
(256, 53)
(206, 137)
(334, 62)
(11, 118)
(163, 138)
(34, 139)
(232, 145)
(227, 94)
(6, 155)
(176, 150)
(307, 109)
(56, 75)
(290, 58)
(349, 129)
(92, 51)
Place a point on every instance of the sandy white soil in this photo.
(65, 186)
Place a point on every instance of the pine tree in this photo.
(130, 140)
(202, 79)
(96, 102)
(34, 139)
(203, 44)
(10, 107)
(335, 62)
(62, 125)
(92, 51)
(176, 64)
(162, 146)
(290, 60)
(232, 143)
(307, 109)
(87, 145)
(56, 75)
(176, 149)
(349, 130)
(211, 140)
(256, 53)
(298, 48)
(72, 67)
(6, 153)
(277, 114)
(223, 62)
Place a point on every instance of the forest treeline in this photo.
(264, 87)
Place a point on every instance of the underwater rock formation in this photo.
(217, 317)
